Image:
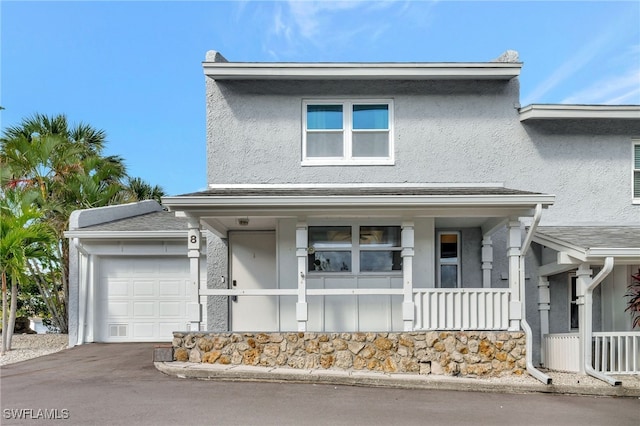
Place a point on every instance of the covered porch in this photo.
(599, 340)
(397, 271)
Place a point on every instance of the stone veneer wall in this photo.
(466, 353)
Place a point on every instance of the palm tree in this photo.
(23, 238)
(137, 189)
(66, 166)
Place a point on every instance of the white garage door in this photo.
(142, 299)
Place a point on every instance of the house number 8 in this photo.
(193, 239)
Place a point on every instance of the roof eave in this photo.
(361, 201)
(124, 235)
(572, 112)
(362, 71)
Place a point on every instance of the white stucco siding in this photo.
(444, 131)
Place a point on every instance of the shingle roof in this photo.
(590, 237)
(357, 191)
(155, 221)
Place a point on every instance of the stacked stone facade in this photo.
(472, 353)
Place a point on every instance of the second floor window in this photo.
(347, 132)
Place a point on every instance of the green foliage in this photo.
(633, 303)
(51, 168)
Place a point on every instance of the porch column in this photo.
(544, 305)
(408, 243)
(193, 252)
(514, 240)
(487, 261)
(302, 241)
(583, 278)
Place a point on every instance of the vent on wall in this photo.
(117, 330)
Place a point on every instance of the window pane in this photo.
(448, 246)
(448, 276)
(371, 117)
(320, 144)
(323, 117)
(370, 144)
(380, 261)
(330, 261)
(329, 236)
(636, 158)
(636, 184)
(381, 236)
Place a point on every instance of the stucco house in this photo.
(382, 197)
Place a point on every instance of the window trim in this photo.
(439, 262)
(347, 159)
(635, 144)
(355, 248)
(573, 281)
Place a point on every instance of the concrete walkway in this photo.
(563, 383)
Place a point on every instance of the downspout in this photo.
(523, 321)
(82, 291)
(604, 272)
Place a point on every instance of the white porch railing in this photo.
(562, 351)
(617, 352)
(462, 309)
(613, 352)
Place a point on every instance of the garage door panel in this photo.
(142, 330)
(142, 299)
(118, 309)
(171, 288)
(118, 288)
(144, 288)
(144, 309)
(171, 309)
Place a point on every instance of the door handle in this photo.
(234, 283)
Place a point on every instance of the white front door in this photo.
(253, 266)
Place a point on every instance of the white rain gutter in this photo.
(523, 321)
(82, 290)
(588, 335)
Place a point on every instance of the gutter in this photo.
(82, 315)
(588, 336)
(523, 321)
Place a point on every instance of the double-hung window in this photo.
(347, 132)
(355, 249)
(636, 172)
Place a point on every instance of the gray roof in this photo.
(357, 191)
(155, 221)
(590, 237)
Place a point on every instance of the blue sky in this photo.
(134, 69)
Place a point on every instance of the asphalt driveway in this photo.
(117, 384)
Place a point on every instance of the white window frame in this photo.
(440, 261)
(573, 280)
(347, 157)
(634, 145)
(355, 248)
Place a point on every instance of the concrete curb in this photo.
(372, 379)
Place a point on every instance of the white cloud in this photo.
(326, 26)
(617, 90)
(570, 67)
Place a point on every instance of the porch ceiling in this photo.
(591, 244)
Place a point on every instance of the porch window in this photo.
(573, 305)
(636, 172)
(449, 259)
(347, 132)
(354, 249)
